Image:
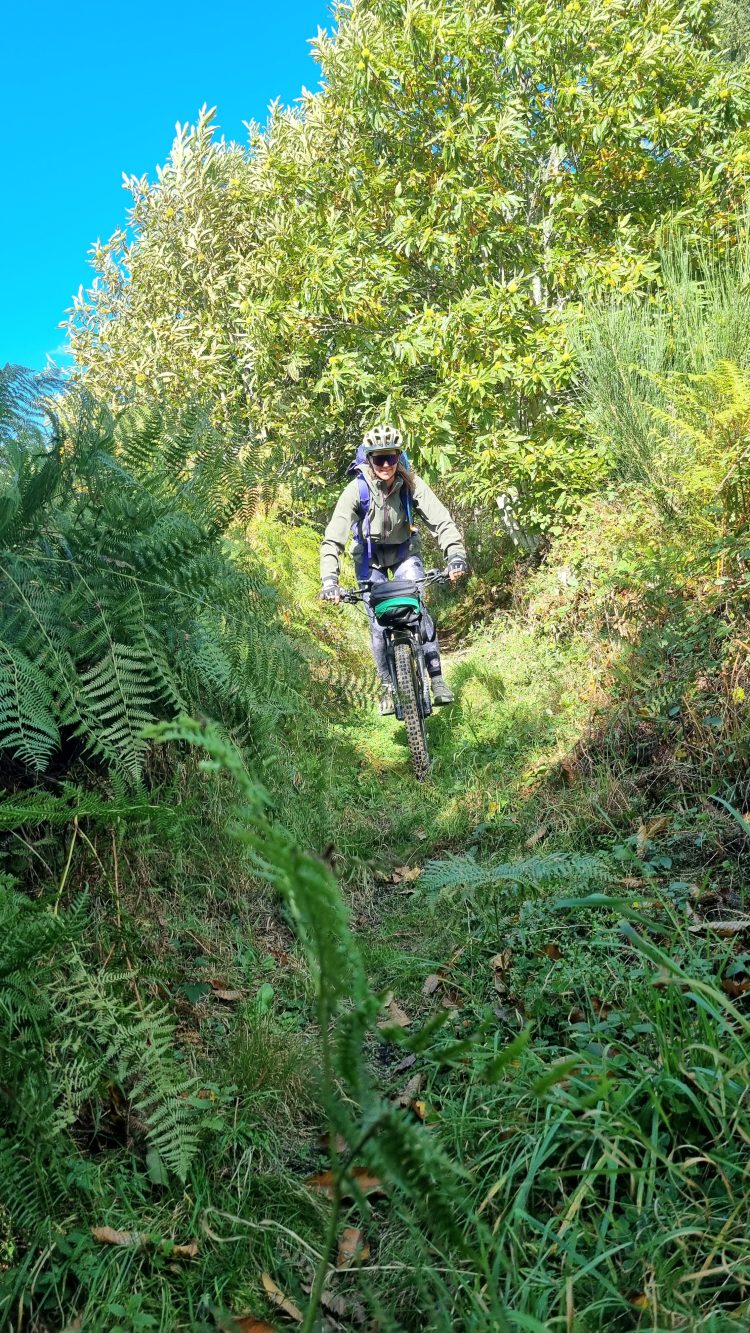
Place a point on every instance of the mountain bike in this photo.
(398, 609)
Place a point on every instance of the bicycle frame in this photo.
(410, 635)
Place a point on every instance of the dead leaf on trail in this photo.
(277, 1297)
(553, 952)
(452, 1000)
(404, 874)
(646, 833)
(224, 992)
(353, 1248)
(420, 1108)
(500, 963)
(723, 928)
(325, 1183)
(404, 1064)
(632, 882)
(734, 988)
(536, 837)
(108, 1236)
(409, 1092)
(184, 1251)
(395, 1015)
(431, 984)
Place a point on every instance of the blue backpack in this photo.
(356, 469)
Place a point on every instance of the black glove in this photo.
(330, 592)
(457, 565)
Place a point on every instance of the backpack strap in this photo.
(363, 521)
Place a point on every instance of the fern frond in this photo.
(456, 874)
(27, 720)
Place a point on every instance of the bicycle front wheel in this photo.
(409, 693)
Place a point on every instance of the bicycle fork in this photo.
(404, 636)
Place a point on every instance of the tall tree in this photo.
(411, 240)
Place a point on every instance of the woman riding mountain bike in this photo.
(377, 508)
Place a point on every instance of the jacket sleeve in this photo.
(338, 531)
(438, 520)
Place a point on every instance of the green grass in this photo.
(584, 1097)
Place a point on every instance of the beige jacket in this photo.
(389, 527)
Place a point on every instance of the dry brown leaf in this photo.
(500, 962)
(431, 984)
(184, 1251)
(734, 988)
(646, 833)
(404, 1064)
(553, 952)
(410, 1091)
(536, 837)
(452, 1000)
(724, 928)
(108, 1236)
(325, 1183)
(277, 1298)
(353, 1248)
(405, 874)
(224, 992)
(395, 1015)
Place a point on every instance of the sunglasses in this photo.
(384, 460)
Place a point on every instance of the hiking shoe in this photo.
(441, 692)
(386, 705)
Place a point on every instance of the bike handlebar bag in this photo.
(396, 604)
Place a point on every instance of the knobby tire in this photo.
(408, 693)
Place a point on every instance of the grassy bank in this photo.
(513, 1095)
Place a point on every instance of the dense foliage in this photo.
(283, 1034)
(409, 242)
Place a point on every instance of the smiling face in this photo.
(384, 465)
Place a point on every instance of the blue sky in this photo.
(91, 91)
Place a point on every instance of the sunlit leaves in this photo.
(412, 237)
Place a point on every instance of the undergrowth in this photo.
(263, 997)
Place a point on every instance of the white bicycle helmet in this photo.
(380, 438)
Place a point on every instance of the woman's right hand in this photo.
(330, 592)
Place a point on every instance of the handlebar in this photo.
(431, 576)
